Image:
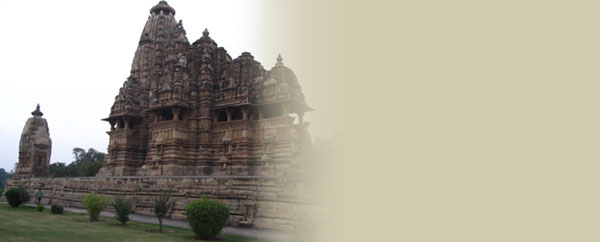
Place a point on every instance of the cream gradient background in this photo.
(457, 120)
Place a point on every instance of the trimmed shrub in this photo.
(207, 218)
(56, 209)
(16, 196)
(161, 207)
(122, 207)
(39, 207)
(94, 204)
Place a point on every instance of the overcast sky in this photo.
(73, 56)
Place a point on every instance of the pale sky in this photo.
(73, 56)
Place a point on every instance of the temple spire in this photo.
(161, 35)
(205, 32)
(35, 147)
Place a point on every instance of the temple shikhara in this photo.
(191, 109)
(34, 147)
(192, 122)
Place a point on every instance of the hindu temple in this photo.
(192, 122)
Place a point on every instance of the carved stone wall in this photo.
(259, 202)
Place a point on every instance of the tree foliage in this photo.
(4, 176)
(86, 163)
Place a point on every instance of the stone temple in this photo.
(35, 147)
(190, 109)
(192, 122)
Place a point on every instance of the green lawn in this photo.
(27, 224)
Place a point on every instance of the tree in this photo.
(59, 169)
(160, 209)
(3, 178)
(86, 163)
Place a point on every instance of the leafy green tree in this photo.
(3, 177)
(161, 207)
(59, 169)
(86, 163)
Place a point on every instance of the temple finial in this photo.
(37, 111)
(279, 59)
(162, 6)
(205, 32)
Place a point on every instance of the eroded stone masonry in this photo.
(192, 121)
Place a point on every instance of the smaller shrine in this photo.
(35, 147)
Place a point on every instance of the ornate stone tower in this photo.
(189, 109)
(35, 147)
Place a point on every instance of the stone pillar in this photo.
(245, 114)
(261, 114)
(175, 111)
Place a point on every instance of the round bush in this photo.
(94, 204)
(56, 209)
(39, 207)
(207, 217)
(16, 196)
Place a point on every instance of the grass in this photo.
(27, 224)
